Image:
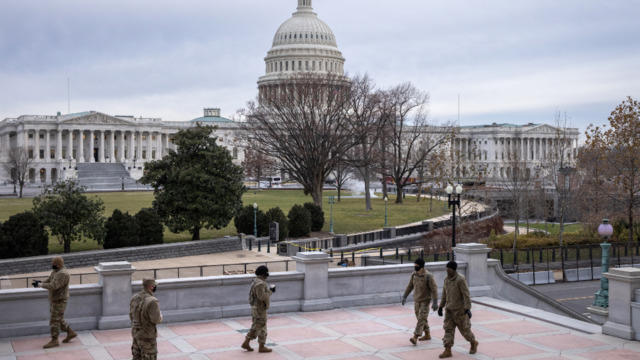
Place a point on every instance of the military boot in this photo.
(246, 345)
(70, 335)
(474, 347)
(414, 339)
(427, 336)
(52, 343)
(446, 353)
(264, 349)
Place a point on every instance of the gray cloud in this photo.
(511, 61)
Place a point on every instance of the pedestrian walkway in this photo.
(375, 332)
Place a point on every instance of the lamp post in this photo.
(331, 202)
(255, 220)
(386, 201)
(602, 296)
(452, 204)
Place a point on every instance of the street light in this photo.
(255, 220)
(386, 201)
(453, 203)
(331, 202)
(602, 296)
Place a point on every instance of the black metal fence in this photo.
(572, 262)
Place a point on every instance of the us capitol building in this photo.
(73, 146)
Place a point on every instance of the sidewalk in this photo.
(355, 333)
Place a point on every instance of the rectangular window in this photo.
(144, 154)
(42, 154)
(30, 153)
(52, 154)
(30, 136)
(153, 154)
(41, 136)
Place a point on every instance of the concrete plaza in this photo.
(374, 332)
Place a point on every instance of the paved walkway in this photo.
(356, 333)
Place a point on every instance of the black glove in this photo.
(36, 283)
(273, 288)
(468, 312)
(440, 311)
(404, 300)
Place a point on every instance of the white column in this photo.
(47, 144)
(81, 157)
(25, 135)
(70, 144)
(165, 143)
(149, 146)
(132, 145)
(115, 278)
(159, 146)
(139, 145)
(59, 144)
(92, 158)
(623, 303)
(121, 147)
(101, 146)
(36, 146)
(315, 266)
(112, 146)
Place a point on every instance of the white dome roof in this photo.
(303, 43)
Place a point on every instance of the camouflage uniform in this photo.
(134, 316)
(424, 289)
(455, 295)
(58, 286)
(145, 315)
(259, 300)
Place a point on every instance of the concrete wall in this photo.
(91, 258)
(313, 286)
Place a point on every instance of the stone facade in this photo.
(57, 143)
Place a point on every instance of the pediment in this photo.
(96, 119)
(542, 129)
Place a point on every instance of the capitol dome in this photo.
(302, 44)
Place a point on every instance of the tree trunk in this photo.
(67, 244)
(339, 188)
(21, 187)
(399, 193)
(630, 219)
(419, 192)
(196, 233)
(316, 194)
(430, 201)
(367, 190)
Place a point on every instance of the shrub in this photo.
(244, 221)
(317, 216)
(299, 221)
(121, 231)
(540, 240)
(150, 227)
(277, 215)
(23, 235)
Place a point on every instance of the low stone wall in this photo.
(91, 258)
(312, 287)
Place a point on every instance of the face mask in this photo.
(417, 268)
(266, 275)
(154, 288)
(54, 267)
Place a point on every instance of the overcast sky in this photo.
(510, 60)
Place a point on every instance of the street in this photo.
(575, 295)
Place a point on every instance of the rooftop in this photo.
(379, 332)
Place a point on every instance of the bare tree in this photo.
(518, 181)
(18, 166)
(342, 173)
(558, 167)
(410, 138)
(619, 145)
(364, 113)
(305, 125)
(257, 164)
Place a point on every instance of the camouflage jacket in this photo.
(455, 293)
(58, 285)
(148, 313)
(423, 286)
(134, 314)
(259, 294)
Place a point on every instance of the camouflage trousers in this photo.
(258, 326)
(56, 321)
(459, 319)
(143, 349)
(422, 314)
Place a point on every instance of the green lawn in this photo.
(552, 228)
(349, 214)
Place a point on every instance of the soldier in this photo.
(456, 298)
(425, 289)
(259, 300)
(145, 314)
(58, 286)
(134, 315)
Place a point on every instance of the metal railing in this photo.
(582, 259)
